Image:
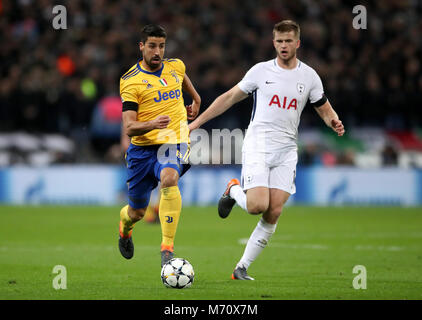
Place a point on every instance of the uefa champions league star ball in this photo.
(177, 273)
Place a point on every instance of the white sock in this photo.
(236, 192)
(257, 242)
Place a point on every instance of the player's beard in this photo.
(153, 64)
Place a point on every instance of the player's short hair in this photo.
(152, 30)
(287, 26)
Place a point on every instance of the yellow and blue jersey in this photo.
(152, 94)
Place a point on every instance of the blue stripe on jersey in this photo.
(131, 74)
(254, 104)
(156, 73)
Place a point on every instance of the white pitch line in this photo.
(315, 246)
(380, 248)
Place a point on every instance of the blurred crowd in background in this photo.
(66, 82)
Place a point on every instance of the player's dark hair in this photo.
(152, 30)
(287, 26)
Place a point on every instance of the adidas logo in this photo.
(261, 242)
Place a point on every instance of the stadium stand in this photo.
(58, 87)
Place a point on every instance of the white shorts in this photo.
(275, 170)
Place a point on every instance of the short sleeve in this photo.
(178, 65)
(128, 92)
(182, 67)
(249, 83)
(317, 90)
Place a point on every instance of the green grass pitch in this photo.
(311, 255)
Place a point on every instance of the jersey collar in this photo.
(156, 73)
(280, 68)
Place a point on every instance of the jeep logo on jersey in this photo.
(173, 94)
(300, 87)
(276, 100)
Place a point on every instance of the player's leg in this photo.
(128, 217)
(169, 211)
(262, 233)
(132, 213)
(281, 186)
(256, 180)
(172, 163)
(141, 181)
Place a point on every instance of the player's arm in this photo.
(192, 109)
(219, 106)
(133, 127)
(124, 140)
(330, 117)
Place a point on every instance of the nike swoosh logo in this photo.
(269, 82)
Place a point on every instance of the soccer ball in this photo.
(177, 273)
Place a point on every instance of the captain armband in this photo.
(320, 102)
(129, 105)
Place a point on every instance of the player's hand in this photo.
(193, 110)
(161, 122)
(338, 127)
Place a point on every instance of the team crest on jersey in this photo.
(163, 82)
(300, 87)
(144, 81)
(173, 73)
(149, 86)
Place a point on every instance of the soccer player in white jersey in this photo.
(281, 87)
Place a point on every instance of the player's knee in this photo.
(169, 179)
(257, 208)
(168, 182)
(136, 214)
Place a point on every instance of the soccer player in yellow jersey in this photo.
(155, 117)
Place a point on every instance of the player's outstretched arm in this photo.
(192, 109)
(330, 117)
(133, 127)
(219, 106)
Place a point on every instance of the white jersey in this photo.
(279, 98)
